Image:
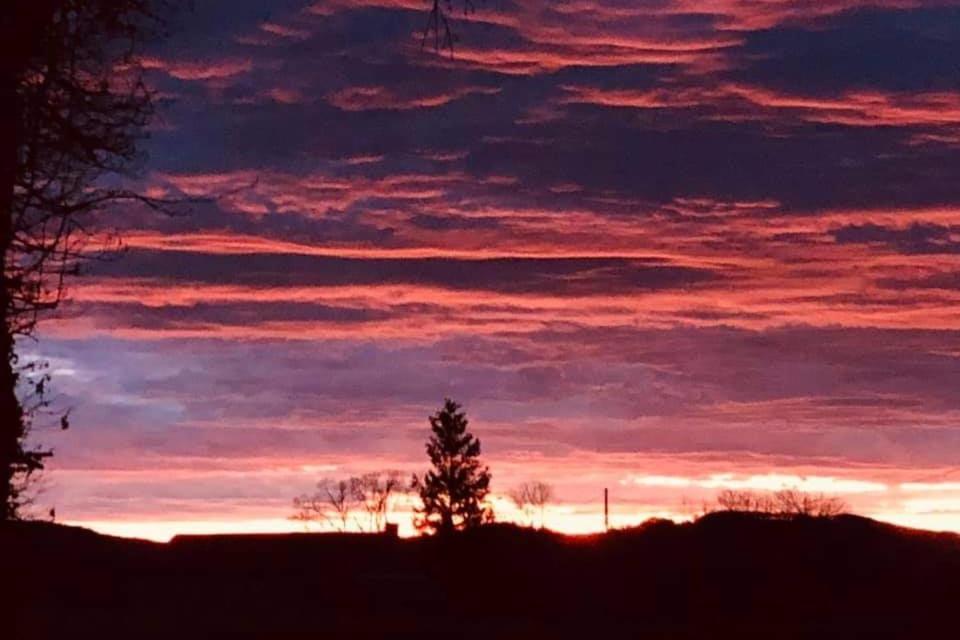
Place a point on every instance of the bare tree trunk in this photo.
(11, 414)
(21, 24)
(11, 418)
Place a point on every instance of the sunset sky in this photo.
(665, 247)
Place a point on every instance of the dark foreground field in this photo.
(726, 576)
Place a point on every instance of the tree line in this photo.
(785, 503)
(453, 493)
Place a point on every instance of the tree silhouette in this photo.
(519, 496)
(745, 501)
(374, 491)
(333, 502)
(454, 490)
(530, 497)
(786, 503)
(75, 107)
(792, 502)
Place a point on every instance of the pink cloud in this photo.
(738, 102)
(199, 70)
(369, 98)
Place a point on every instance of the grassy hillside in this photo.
(725, 576)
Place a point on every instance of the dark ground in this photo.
(725, 576)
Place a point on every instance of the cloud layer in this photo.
(664, 247)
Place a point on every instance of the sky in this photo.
(665, 247)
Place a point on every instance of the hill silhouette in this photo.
(727, 575)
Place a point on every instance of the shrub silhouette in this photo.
(786, 503)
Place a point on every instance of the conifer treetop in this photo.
(454, 490)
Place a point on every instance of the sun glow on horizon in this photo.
(924, 508)
(572, 524)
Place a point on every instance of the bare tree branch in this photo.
(76, 108)
(532, 497)
(438, 23)
(787, 503)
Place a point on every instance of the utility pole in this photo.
(606, 509)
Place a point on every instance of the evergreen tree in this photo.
(454, 490)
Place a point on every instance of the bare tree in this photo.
(332, 503)
(374, 491)
(530, 497)
(337, 502)
(541, 494)
(520, 498)
(75, 106)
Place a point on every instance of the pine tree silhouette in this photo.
(453, 492)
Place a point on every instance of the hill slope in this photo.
(725, 576)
